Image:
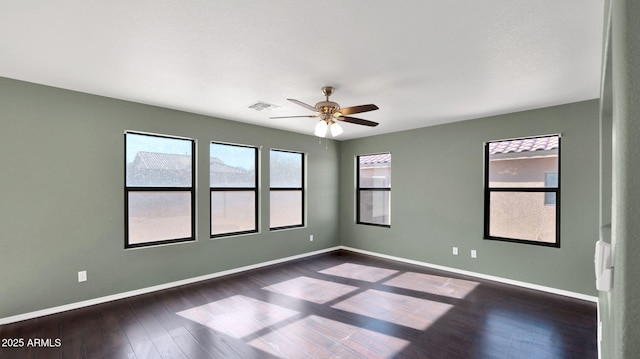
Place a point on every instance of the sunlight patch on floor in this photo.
(319, 337)
(395, 308)
(359, 272)
(427, 283)
(238, 316)
(311, 289)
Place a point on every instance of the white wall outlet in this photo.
(82, 276)
(311, 238)
(455, 251)
(474, 253)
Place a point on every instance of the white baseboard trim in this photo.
(109, 298)
(155, 288)
(478, 275)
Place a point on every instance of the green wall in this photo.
(61, 198)
(437, 197)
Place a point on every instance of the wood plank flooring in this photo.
(334, 305)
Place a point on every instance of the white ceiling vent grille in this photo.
(259, 106)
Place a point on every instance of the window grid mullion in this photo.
(523, 189)
(159, 189)
(230, 189)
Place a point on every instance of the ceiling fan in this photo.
(329, 112)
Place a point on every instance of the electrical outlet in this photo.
(82, 276)
(311, 238)
(455, 251)
(474, 253)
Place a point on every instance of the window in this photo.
(159, 190)
(522, 190)
(287, 189)
(550, 180)
(373, 202)
(234, 189)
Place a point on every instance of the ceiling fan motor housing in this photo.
(327, 107)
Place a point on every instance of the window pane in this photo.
(522, 215)
(154, 161)
(550, 198)
(286, 208)
(375, 207)
(375, 171)
(232, 166)
(523, 163)
(285, 169)
(159, 216)
(233, 211)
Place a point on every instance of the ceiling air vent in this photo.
(259, 106)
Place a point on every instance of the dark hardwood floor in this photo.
(335, 305)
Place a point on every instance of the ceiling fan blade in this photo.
(357, 109)
(310, 116)
(357, 121)
(302, 104)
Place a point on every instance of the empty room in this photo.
(338, 179)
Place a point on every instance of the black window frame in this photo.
(133, 189)
(301, 189)
(239, 189)
(547, 190)
(360, 189)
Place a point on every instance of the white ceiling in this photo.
(422, 62)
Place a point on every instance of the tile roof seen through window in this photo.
(161, 161)
(525, 145)
(375, 159)
(175, 162)
(216, 165)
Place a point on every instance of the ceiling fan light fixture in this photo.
(336, 129)
(321, 129)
